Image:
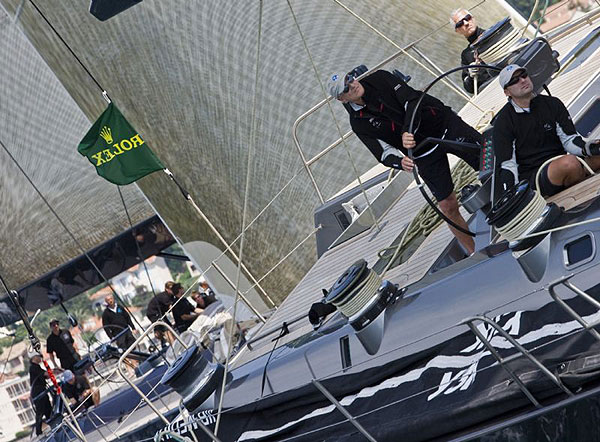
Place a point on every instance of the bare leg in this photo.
(593, 162)
(449, 207)
(566, 171)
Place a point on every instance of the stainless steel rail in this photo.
(564, 281)
(522, 351)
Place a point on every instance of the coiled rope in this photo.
(427, 220)
(517, 228)
(353, 302)
(524, 219)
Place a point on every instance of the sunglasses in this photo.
(463, 21)
(514, 80)
(349, 79)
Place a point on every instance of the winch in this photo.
(361, 297)
(521, 211)
(194, 376)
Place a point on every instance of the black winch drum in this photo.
(193, 377)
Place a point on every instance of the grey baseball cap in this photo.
(508, 72)
(335, 84)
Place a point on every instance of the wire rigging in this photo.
(252, 146)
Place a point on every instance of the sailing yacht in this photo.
(433, 346)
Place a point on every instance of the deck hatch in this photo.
(579, 251)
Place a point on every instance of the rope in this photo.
(252, 145)
(530, 20)
(524, 220)
(83, 251)
(402, 50)
(67, 46)
(427, 220)
(339, 129)
(585, 165)
(315, 230)
(12, 343)
(360, 296)
(137, 245)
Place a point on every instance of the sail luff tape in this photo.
(362, 295)
(520, 223)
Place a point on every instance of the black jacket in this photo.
(115, 322)
(466, 58)
(158, 306)
(524, 140)
(390, 103)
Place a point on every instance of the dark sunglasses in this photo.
(463, 21)
(349, 79)
(514, 80)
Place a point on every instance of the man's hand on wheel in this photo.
(408, 140)
(407, 164)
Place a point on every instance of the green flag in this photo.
(119, 153)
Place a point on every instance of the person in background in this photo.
(39, 393)
(205, 288)
(77, 388)
(465, 24)
(115, 319)
(381, 106)
(157, 307)
(184, 312)
(531, 129)
(61, 343)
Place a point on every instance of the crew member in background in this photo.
(531, 129)
(381, 106)
(157, 307)
(184, 312)
(205, 288)
(39, 394)
(465, 24)
(77, 388)
(115, 319)
(61, 343)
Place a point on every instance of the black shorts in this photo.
(546, 187)
(435, 169)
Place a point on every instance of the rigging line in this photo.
(83, 251)
(66, 45)
(315, 230)
(345, 144)
(252, 146)
(402, 50)
(228, 247)
(137, 245)
(7, 359)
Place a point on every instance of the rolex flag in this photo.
(116, 149)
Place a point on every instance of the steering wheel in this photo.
(410, 151)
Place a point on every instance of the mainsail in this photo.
(190, 78)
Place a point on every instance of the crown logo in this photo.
(106, 133)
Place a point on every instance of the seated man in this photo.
(531, 129)
(157, 308)
(381, 106)
(184, 312)
(77, 388)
